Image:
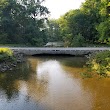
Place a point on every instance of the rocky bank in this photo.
(10, 65)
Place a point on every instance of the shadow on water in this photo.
(67, 60)
(7, 79)
(16, 87)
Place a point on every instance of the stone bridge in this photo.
(80, 51)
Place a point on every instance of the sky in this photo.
(60, 7)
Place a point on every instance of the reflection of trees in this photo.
(25, 73)
(70, 61)
(37, 89)
(33, 62)
(74, 61)
(8, 79)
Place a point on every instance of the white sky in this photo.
(60, 7)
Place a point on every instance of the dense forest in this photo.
(22, 22)
(26, 22)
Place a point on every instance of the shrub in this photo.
(5, 54)
(100, 63)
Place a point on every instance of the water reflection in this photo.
(52, 83)
(49, 70)
(8, 79)
(17, 87)
(64, 92)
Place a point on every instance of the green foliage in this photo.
(103, 57)
(7, 51)
(53, 31)
(100, 63)
(22, 21)
(3, 38)
(25, 22)
(86, 75)
(78, 41)
(5, 54)
(104, 31)
(91, 21)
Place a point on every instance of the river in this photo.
(53, 83)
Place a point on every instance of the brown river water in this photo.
(53, 83)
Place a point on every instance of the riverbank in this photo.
(9, 65)
(100, 63)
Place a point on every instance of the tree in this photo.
(72, 26)
(53, 32)
(91, 21)
(97, 11)
(23, 20)
(104, 31)
(65, 31)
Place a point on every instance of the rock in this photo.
(5, 66)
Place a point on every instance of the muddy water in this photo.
(53, 83)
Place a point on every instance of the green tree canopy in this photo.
(21, 21)
(91, 21)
